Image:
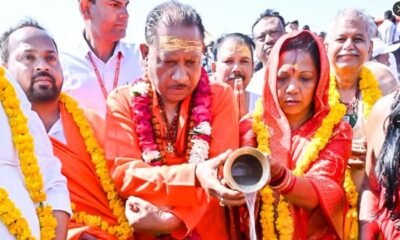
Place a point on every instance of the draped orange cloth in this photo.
(326, 173)
(83, 184)
(172, 185)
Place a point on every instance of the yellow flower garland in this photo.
(368, 86)
(123, 230)
(284, 223)
(371, 93)
(10, 215)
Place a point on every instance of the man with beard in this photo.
(266, 30)
(100, 62)
(30, 175)
(233, 64)
(32, 57)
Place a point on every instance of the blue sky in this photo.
(62, 18)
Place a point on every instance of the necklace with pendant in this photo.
(171, 130)
(351, 115)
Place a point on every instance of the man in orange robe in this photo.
(83, 182)
(41, 79)
(172, 61)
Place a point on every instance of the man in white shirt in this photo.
(383, 53)
(11, 177)
(266, 30)
(100, 62)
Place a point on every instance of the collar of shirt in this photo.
(57, 131)
(84, 49)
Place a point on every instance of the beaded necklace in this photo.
(171, 130)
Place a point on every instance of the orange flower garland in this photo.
(370, 93)
(123, 230)
(284, 224)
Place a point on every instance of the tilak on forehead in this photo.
(169, 43)
(240, 48)
(292, 56)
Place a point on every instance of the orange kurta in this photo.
(83, 184)
(173, 184)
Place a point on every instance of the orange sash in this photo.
(83, 184)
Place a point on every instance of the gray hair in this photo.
(171, 13)
(358, 14)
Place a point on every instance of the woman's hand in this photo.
(276, 168)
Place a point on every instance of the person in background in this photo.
(383, 53)
(306, 27)
(233, 64)
(101, 61)
(167, 134)
(266, 30)
(387, 29)
(348, 47)
(294, 26)
(322, 36)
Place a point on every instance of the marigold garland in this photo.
(12, 219)
(123, 230)
(370, 90)
(284, 222)
(368, 86)
(10, 215)
(370, 93)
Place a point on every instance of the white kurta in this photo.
(11, 177)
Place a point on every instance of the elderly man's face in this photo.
(174, 62)
(348, 45)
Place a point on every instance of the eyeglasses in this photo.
(272, 34)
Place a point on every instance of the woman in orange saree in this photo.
(307, 141)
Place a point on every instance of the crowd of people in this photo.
(126, 141)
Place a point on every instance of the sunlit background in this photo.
(63, 20)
